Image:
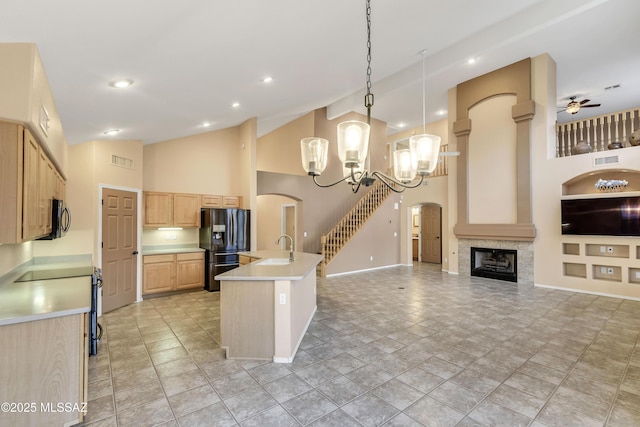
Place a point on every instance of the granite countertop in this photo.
(44, 299)
(169, 249)
(303, 264)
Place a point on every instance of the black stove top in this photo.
(58, 273)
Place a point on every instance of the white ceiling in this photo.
(191, 59)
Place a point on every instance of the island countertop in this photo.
(302, 265)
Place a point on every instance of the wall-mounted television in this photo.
(606, 216)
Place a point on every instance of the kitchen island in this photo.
(266, 306)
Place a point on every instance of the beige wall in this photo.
(269, 214)
(90, 168)
(25, 91)
(492, 188)
(279, 150)
(11, 256)
(205, 163)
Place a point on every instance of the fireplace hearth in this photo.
(498, 264)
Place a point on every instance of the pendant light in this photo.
(353, 148)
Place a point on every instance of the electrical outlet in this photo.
(283, 299)
(174, 236)
(603, 270)
(637, 274)
(603, 249)
(167, 236)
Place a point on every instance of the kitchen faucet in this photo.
(290, 247)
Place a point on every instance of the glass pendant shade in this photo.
(353, 142)
(314, 155)
(424, 150)
(403, 165)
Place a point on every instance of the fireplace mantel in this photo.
(515, 232)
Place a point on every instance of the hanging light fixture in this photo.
(353, 148)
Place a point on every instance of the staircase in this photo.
(333, 241)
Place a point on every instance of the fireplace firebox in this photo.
(498, 264)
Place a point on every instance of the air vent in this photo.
(599, 161)
(123, 162)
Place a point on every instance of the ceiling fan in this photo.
(574, 106)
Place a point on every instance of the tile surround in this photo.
(446, 350)
(524, 257)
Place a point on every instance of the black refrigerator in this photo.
(223, 233)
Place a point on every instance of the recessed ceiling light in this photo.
(471, 61)
(235, 104)
(206, 124)
(402, 125)
(121, 84)
(267, 79)
(111, 132)
(441, 112)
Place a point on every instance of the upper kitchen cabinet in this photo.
(186, 210)
(27, 99)
(28, 182)
(158, 209)
(209, 201)
(171, 209)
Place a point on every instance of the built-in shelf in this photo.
(607, 272)
(575, 270)
(571, 248)
(604, 250)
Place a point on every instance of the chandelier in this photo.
(419, 160)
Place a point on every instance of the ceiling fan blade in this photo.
(590, 105)
(584, 101)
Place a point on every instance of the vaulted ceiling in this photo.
(191, 60)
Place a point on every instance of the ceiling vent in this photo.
(601, 161)
(122, 162)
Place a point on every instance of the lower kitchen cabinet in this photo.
(190, 270)
(172, 272)
(44, 371)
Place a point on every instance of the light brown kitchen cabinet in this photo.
(171, 209)
(211, 201)
(27, 177)
(158, 273)
(172, 272)
(186, 210)
(190, 270)
(45, 362)
(31, 201)
(158, 209)
(208, 201)
(231, 201)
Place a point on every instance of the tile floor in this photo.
(395, 347)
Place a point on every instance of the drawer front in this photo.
(190, 256)
(150, 259)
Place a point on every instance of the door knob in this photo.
(134, 253)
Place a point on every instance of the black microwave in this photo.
(60, 220)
